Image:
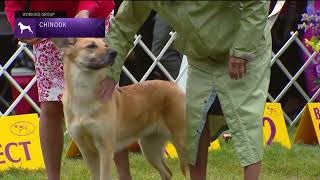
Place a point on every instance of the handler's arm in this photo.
(131, 15)
(11, 7)
(90, 6)
(252, 25)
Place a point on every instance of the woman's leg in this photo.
(199, 170)
(51, 137)
(252, 171)
(121, 160)
(49, 72)
(243, 104)
(200, 95)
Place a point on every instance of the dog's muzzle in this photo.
(108, 60)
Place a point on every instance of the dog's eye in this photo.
(92, 46)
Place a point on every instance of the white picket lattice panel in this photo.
(181, 78)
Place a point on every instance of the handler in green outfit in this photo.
(228, 46)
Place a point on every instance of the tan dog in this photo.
(152, 112)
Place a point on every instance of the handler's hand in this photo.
(237, 67)
(106, 88)
(30, 41)
(132, 56)
(83, 14)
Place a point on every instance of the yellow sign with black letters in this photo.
(20, 142)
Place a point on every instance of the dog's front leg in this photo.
(87, 147)
(106, 160)
(91, 157)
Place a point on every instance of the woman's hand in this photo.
(106, 88)
(237, 67)
(132, 56)
(30, 41)
(83, 14)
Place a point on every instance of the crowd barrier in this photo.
(181, 79)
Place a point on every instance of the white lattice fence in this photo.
(293, 78)
(275, 60)
(156, 60)
(23, 92)
(181, 79)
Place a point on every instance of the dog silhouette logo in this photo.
(24, 27)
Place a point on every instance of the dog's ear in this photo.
(63, 43)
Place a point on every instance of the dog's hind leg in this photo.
(152, 147)
(179, 143)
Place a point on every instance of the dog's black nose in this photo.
(111, 56)
(111, 53)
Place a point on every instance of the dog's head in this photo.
(87, 53)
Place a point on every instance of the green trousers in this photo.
(242, 102)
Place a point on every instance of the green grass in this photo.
(301, 162)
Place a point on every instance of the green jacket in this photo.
(214, 29)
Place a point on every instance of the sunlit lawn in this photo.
(302, 162)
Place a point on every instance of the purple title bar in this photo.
(59, 27)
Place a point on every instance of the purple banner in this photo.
(59, 27)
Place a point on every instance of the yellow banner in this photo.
(73, 150)
(274, 126)
(308, 131)
(20, 142)
(172, 153)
